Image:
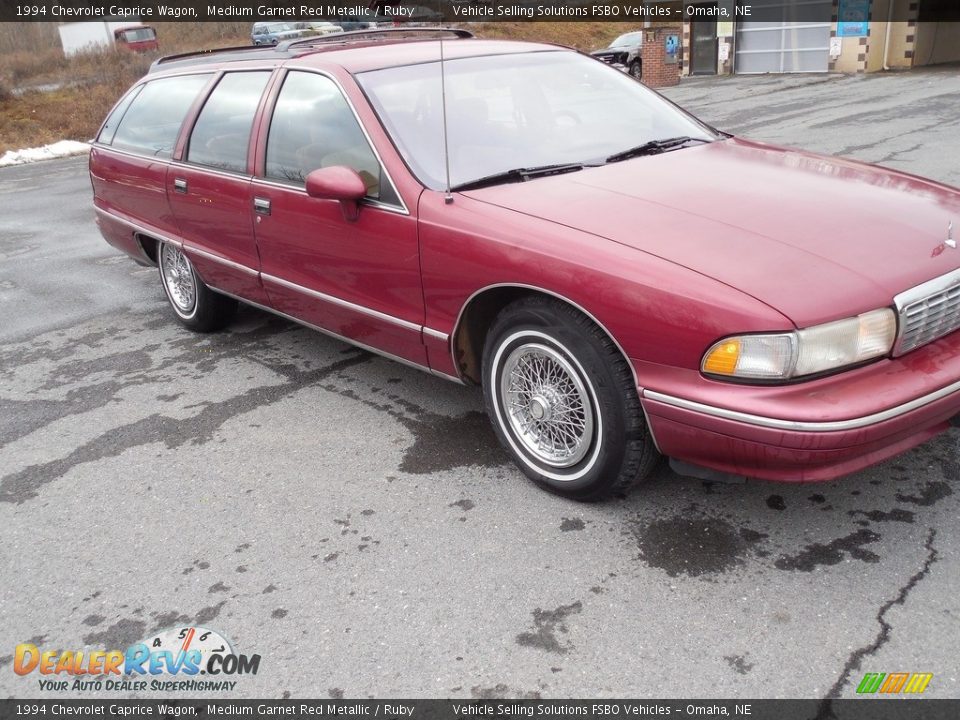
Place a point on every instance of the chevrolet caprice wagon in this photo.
(623, 280)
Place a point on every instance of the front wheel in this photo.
(195, 305)
(563, 402)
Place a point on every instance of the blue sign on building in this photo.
(853, 18)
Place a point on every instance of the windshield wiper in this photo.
(519, 175)
(654, 147)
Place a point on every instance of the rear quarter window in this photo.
(109, 128)
(152, 122)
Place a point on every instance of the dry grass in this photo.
(89, 84)
(73, 111)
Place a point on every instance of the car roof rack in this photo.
(290, 48)
(373, 34)
(241, 52)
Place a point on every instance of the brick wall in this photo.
(656, 71)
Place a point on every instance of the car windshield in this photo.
(518, 111)
(276, 27)
(627, 40)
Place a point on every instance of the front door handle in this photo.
(261, 206)
(180, 185)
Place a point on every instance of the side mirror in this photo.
(338, 183)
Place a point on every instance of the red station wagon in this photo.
(623, 280)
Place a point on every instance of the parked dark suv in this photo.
(625, 52)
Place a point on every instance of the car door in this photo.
(356, 277)
(210, 191)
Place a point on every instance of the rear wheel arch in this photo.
(148, 247)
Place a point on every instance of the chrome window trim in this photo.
(366, 202)
(323, 73)
(920, 292)
(804, 425)
(346, 304)
(300, 190)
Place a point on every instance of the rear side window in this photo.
(313, 127)
(222, 132)
(152, 122)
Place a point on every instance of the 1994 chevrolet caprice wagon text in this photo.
(623, 280)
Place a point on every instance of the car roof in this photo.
(356, 52)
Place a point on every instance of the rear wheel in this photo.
(562, 401)
(195, 305)
(635, 69)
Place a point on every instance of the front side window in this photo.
(518, 111)
(221, 134)
(152, 122)
(313, 127)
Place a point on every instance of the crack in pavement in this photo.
(856, 658)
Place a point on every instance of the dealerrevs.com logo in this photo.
(182, 654)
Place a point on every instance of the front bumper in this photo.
(811, 431)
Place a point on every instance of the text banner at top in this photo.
(459, 11)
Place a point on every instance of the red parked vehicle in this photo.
(623, 280)
(138, 38)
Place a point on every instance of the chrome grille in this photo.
(928, 312)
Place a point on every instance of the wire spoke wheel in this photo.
(547, 405)
(179, 278)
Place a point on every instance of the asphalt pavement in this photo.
(354, 522)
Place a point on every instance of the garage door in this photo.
(789, 43)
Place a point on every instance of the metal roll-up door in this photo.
(789, 43)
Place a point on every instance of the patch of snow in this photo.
(47, 152)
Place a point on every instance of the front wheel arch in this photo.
(481, 310)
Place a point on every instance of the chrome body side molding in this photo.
(804, 425)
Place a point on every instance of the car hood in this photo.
(816, 238)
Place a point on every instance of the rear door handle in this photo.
(180, 185)
(261, 206)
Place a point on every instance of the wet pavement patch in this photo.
(445, 443)
(572, 524)
(122, 634)
(693, 546)
(546, 625)
(775, 502)
(19, 487)
(464, 505)
(895, 515)
(931, 493)
(500, 691)
(738, 663)
(833, 553)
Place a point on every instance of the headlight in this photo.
(813, 350)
